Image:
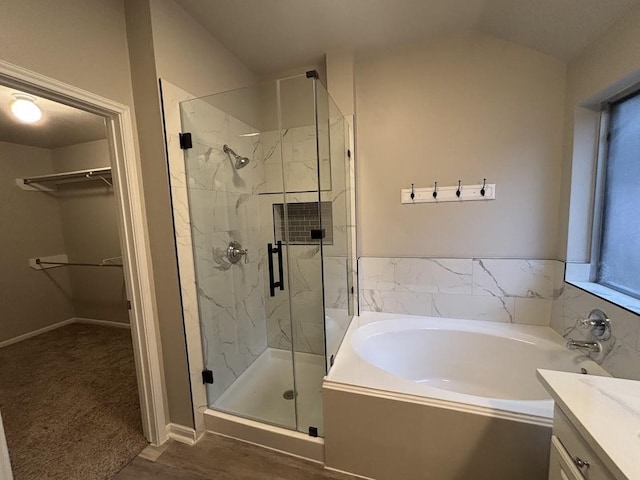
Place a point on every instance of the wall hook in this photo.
(413, 194)
(458, 192)
(483, 190)
(435, 190)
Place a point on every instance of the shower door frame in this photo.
(138, 272)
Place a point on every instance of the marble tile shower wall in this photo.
(622, 350)
(229, 198)
(502, 290)
(306, 268)
(305, 271)
(296, 150)
(303, 283)
(223, 206)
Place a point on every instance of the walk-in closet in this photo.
(68, 390)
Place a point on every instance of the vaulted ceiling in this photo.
(270, 36)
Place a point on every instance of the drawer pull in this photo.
(581, 463)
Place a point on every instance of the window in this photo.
(618, 257)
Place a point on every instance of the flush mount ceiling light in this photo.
(25, 109)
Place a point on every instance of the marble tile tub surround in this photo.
(504, 290)
(507, 290)
(622, 350)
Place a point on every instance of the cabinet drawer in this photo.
(561, 466)
(577, 449)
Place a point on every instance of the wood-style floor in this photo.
(220, 458)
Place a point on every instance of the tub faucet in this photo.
(594, 347)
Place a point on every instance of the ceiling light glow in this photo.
(25, 109)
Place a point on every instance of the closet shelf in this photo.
(62, 260)
(76, 264)
(32, 183)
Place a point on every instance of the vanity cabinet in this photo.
(571, 458)
(596, 421)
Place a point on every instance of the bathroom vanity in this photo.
(596, 427)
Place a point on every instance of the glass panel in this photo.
(269, 166)
(619, 254)
(296, 161)
(304, 255)
(337, 258)
(244, 330)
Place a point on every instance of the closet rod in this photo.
(94, 173)
(73, 264)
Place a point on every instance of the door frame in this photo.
(5, 463)
(136, 254)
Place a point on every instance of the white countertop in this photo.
(606, 412)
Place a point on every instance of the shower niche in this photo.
(268, 170)
(305, 223)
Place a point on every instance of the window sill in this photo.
(613, 296)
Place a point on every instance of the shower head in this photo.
(240, 162)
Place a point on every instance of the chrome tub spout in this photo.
(594, 347)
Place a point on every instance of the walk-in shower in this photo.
(272, 245)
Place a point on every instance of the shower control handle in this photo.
(598, 323)
(235, 252)
(272, 283)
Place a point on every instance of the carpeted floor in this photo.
(69, 402)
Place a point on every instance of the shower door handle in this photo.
(273, 284)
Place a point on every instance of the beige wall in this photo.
(188, 56)
(163, 252)
(469, 107)
(389, 439)
(165, 42)
(608, 65)
(90, 227)
(339, 65)
(81, 42)
(29, 299)
(84, 43)
(296, 98)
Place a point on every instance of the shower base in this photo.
(264, 392)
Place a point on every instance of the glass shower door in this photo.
(306, 170)
(270, 225)
(338, 269)
(231, 227)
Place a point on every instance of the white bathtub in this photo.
(488, 365)
(454, 398)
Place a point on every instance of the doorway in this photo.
(133, 261)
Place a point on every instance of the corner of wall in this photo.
(158, 210)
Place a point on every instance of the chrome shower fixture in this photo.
(241, 162)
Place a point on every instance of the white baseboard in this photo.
(68, 321)
(35, 333)
(280, 439)
(103, 323)
(355, 475)
(182, 434)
